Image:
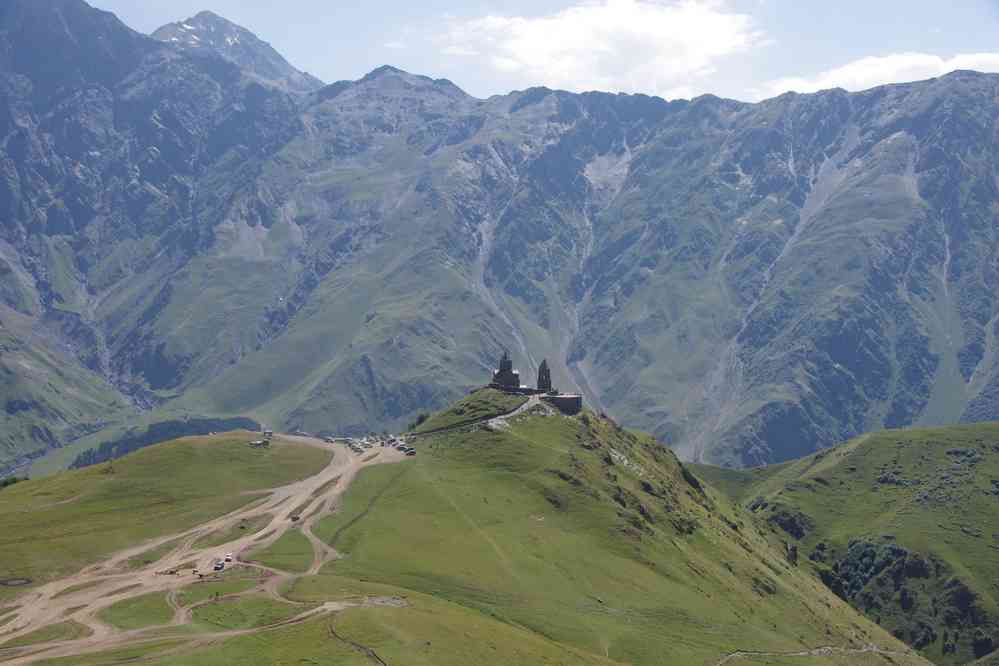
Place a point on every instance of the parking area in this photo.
(362, 445)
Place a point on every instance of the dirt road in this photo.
(83, 596)
(824, 651)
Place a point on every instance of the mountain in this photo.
(901, 524)
(105, 140)
(528, 539)
(750, 282)
(237, 44)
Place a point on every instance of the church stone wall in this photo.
(567, 404)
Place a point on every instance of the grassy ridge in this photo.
(482, 404)
(903, 523)
(586, 534)
(45, 396)
(428, 634)
(52, 527)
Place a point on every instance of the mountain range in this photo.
(190, 227)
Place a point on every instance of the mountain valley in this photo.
(744, 394)
(190, 228)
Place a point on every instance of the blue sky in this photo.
(745, 49)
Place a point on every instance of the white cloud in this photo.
(878, 70)
(395, 45)
(617, 45)
(456, 50)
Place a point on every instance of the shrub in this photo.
(11, 480)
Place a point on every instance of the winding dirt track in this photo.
(824, 651)
(110, 582)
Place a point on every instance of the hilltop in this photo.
(900, 523)
(528, 538)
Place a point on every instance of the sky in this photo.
(742, 49)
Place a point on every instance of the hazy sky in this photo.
(746, 49)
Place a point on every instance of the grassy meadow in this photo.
(53, 527)
(148, 610)
(292, 553)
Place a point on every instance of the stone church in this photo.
(506, 379)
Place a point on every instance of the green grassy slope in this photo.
(124, 427)
(292, 552)
(246, 526)
(425, 632)
(46, 400)
(554, 540)
(203, 591)
(52, 527)
(482, 404)
(244, 612)
(585, 534)
(560, 541)
(149, 610)
(902, 523)
(62, 631)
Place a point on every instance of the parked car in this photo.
(219, 566)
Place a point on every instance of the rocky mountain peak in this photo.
(384, 70)
(387, 77)
(62, 44)
(208, 15)
(207, 30)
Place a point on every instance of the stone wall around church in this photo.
(568, 404)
